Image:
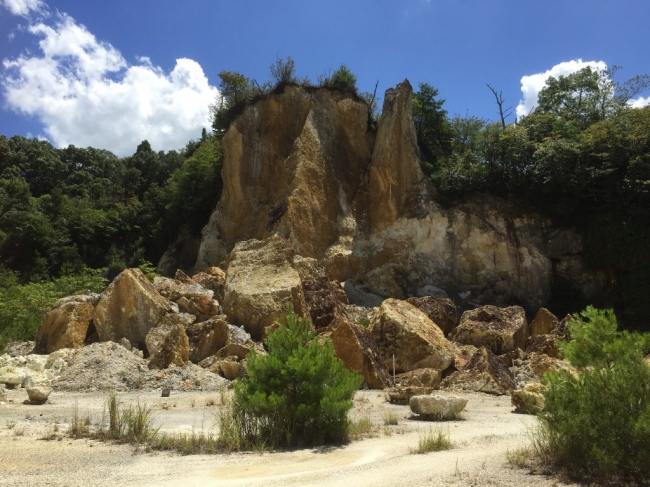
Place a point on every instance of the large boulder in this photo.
(38, 394)
(442, 311)
(167, 345)
(484, 373)
(260, 282)
(403, 331)
(207, 338)
(529, 399)
(129, 307)
(439, 405)
(66, 324)
(544, 323)
(356, 347)
(502, 330)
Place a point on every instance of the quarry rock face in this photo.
(403, 331)
(128, 308)
(303, 164)
(259, 283)
(397, 186)
(66, 324)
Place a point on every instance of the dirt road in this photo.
(488, 429)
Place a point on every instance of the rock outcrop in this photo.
(302, 163)
(397, 187)
(402, 330)
(502, 330)
(129, 307)
(66, 324)
(260, 282)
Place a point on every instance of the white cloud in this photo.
(532, 85)
(639, 102)
(85, 93)
(23, 7)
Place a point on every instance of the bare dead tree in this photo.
(500, 101)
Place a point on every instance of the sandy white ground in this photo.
(481, 438)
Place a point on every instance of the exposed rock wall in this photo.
(302, 164)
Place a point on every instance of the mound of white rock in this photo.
(31, 370)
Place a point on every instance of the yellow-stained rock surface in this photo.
(260, 282)
(543, 323)
(402, 330)
(129, 307)
(66, 324)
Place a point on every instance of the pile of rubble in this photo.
(190, 333)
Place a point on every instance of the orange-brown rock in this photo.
(129, 307)
(167, 345)
(502, 330)
(356, 347)
(298, 177)
(260, 282)
(543, 344)
(543, 323)
(402, 330)
(207, 338)
(234, 350)
(529, 399)
(214, 279)
(442, 311)
(66, 324)
(464, 354)
(484, 373)
(427, 378)
(396, 179)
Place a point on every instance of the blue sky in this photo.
(109, 74)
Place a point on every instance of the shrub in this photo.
(343, 79)
(298, 394)
(597, 422)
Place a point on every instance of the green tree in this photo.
(300, 393)
(597, 421)
(431, 125)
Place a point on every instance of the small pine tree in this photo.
(298, 394)
(343, 79)
(597, 422)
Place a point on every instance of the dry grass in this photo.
(433, 440)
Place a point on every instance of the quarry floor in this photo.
(481, 439)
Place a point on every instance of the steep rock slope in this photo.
(302, 164)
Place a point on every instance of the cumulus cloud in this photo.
(639, 102)
(531, 85)
(85, 93)
(23, 7)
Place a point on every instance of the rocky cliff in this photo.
(302, 164)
